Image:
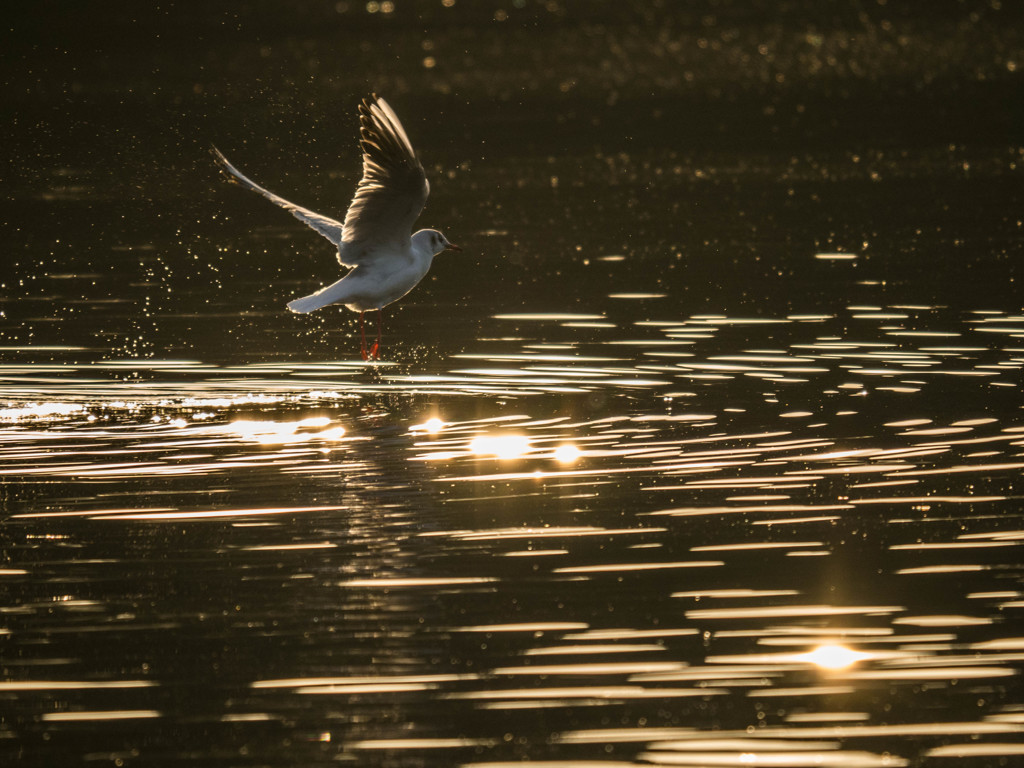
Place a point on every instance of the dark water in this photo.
(707, 450)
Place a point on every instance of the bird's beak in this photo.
(452, 247)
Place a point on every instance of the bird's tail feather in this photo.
(329, 295)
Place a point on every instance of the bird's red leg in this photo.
(362, 335)
(375, 349)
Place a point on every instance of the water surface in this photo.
(707, 452)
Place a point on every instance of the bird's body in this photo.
(374, 241)
(374, 283)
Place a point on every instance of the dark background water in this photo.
(719, 145)
(780, 449)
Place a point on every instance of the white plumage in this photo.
(374, 241)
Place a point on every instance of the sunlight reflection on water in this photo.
(707, 451)
(747, 480)
(878, 366)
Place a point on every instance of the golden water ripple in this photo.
(710, 516)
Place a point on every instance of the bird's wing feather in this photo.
(327, 227)
(393, 190)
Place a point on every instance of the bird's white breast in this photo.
(379, 281)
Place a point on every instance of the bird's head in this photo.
(433, 242)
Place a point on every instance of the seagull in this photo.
(384, 261)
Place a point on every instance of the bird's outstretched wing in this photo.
(327, 227)
(393, 190)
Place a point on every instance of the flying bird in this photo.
(374, 241)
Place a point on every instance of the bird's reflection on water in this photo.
(716, 541)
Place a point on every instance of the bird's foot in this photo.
(375, 351)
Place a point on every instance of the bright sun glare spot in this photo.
(334, 433)
(502, 446)
(834, 657)
(432, 426)
(315, 421)
(567, 453)
(39, 411)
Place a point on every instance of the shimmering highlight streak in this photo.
(802, 692)
(586, 670)
(425, 743)
(940, 545)
(314, 682)
(536, 553)
(975, 750)
(575, 650)
(757, 546)
(533, 626)
(767, 508)
(961, 469)
(794, 611)
(72, 685)
(943, 621)
(631, 634)
(735, 593)
(547, 533)
(391, 583)
(289, 547)
(753, 757)
(796, 520)
(929, 569)
(97, 715)
(554, 316)
(545, 475)
(937, 499)
(625, 735)
(95, 512)
(363, 689)
(827, 717)
(630, 567)
(569, 694)
(218, 514)
(858, 731)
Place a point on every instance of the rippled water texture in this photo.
(706, 451)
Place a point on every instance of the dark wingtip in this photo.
(365, 113)
(368, 103)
